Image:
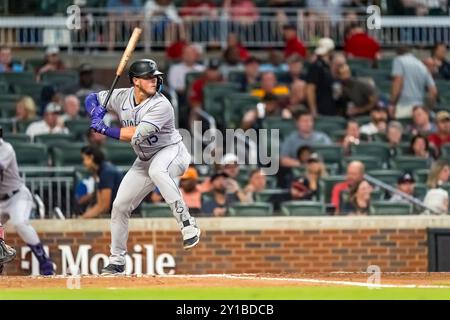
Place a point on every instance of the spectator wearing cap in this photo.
(319, 81)
(269, 107)
(394, 134)
(293, 45)
(359, 96)
(7, 64)
(420, 147)
(257, 183)
(176, 77)
(359, 199)
(439, 56)
(269, 84)
(305, 135)
(49, 125)
(358, 44)
(86, 84)
(303, 155)
(252, 75)
(305, 188)
(421, 123)
(191, 193)
(412, 85)
(52, 62)
(405, 184)
(442, 136)
(218, 205)
(378, 124)
(355, 174)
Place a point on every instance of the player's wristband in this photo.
(112, 133)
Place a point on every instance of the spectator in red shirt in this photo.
(174, 51)
(355, 173)
(211, 75)
(198, 8)
(358, 44)
(233, 41)
(442, 135)
(293, 43)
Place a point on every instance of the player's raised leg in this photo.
(134, 187)
(19, 211)
(169, 163)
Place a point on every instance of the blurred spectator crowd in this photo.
(341, 114)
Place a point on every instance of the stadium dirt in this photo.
(441, 280)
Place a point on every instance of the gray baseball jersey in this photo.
(10, 179)
(156, 110)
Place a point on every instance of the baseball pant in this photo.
(142, 178)
(17, 210)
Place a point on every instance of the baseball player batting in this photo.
(148, 122)
(16, 203)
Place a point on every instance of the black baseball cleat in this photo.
(7, 253)
(113, 269)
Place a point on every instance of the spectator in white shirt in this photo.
(177, 72)
(71, 109)
(49, 125)
(378, 124)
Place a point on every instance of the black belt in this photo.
(4, 197)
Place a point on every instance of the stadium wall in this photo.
(240, 245)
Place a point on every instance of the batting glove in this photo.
(98, 113)
(91, 103)
(98, 125)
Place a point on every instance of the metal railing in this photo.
(54, 186)
(100, 30)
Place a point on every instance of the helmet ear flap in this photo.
(159, 84)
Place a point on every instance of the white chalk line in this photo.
(252, 277)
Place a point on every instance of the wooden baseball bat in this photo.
(124, 60)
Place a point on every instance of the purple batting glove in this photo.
(91, 103)
(98, 125)
(98, 113)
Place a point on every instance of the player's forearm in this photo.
(127, 133)
(289, 162)
(94, 211)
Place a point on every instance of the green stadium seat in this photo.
(256, 209)
(17, 78)
(214, 95)
(421, 175)
(31, 65)
(14, 138)
(303, 208)
(338, 136)
(8, 105)
(235, 106)
(420, 191)
(326, 185)
(389, 208)
(30, 89)
(329, 124)
(370, 162)
(51, 140)
(329, 153)
(67, 155)
(120, 155)
(269, 194)
(362, 120)
(78, 127)
(23, 125)
(286, 126)
(4, 87)
(387, 176)
(31, 154)
(191, 77)
(272, 182)
(60, 79)
(409, 163)
(6, 124)
(156, 210)
(376, 149)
